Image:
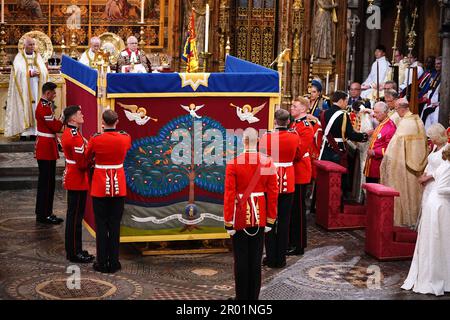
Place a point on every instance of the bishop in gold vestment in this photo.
(404, 160)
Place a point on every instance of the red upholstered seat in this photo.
(328, 203)
(404, 235)
(384, 241)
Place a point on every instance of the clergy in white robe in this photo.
(430, 113)
(377, 74)
(28, 74)
(408, 73)
(89, 56)
(430, 271)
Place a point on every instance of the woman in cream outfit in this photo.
(430, 268)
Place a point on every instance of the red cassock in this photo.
(283, 146)
(75, 175)
(47, 128)
(109, 150)
(303, 170)
(379, 143)
(260, 208)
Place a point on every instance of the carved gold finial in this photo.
(411, 42)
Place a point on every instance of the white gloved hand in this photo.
(267, 229)
(231, 232)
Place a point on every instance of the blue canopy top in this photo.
(80, 73)
(239, 76)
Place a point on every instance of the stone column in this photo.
(444, 108)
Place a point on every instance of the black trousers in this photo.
(372, 180)
(76, 203)
(247, 252)
(277, 239)
(46, 188)
(108, 214)
(297, 226)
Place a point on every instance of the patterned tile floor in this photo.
(33, 266)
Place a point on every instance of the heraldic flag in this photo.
(190, 47)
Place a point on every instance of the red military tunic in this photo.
(109, 149)
(283, 146)
(314, 149)
(261, 211)
(75, 175)
(47, 127)
(379, 143)
(303, 170)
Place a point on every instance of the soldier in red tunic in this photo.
(75, 181)
(46, 154)
(250, 209)
(303, 171)
(108, 189)
(283, 145)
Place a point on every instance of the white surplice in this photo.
(24, 93)
(430, 268)
(383, 67)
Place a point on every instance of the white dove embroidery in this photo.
(136, 114)
(247, 113)
(192, 109)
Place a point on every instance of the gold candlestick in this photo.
(228, 47)
(3, 56)
(142, 37)
(73, 46)
(206, 56)
(63, 46)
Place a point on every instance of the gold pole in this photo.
(396, 31)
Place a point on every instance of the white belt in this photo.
(253, 194)
(71, 161)
(306, 155)
(338, 139)
(283, 164)
(114, 166)
(47, 135)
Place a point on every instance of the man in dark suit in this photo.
(338, 129)
(355, 95)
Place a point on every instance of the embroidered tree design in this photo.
(185, 153)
